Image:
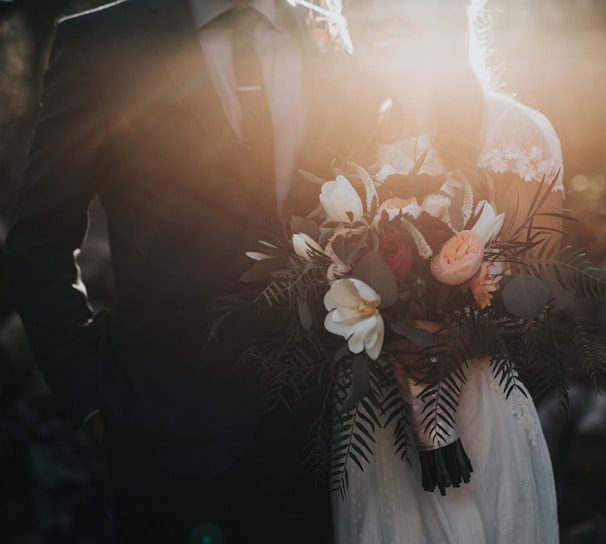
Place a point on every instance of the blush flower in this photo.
(459, 259)
(482, 286)
(396, 253)
(353, 314)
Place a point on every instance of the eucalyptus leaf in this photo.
(304, 313)
(526, 296)
(421, 337)
(374, 271)
(342, 352)
(360, 383)
(311, 177)
(338, 246)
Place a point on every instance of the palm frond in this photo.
(318, 449)
(575, 272)
(546, 362)
(291, 364)
(352, 439)
(354, 430)
(589, 348)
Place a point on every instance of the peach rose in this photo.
(482, 286)
(459, 259)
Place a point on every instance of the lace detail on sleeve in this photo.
(522, 141)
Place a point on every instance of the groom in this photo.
(142, 109)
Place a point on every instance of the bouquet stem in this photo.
(445, 467)
(444, 462)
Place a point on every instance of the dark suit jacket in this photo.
(129, 114)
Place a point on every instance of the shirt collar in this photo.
(204, 11)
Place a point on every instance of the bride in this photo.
(417, 52)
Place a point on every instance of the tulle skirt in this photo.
(510, 498)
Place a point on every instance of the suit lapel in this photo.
(170, 27)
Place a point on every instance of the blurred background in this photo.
(551, 54)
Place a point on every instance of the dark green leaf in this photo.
(421, 337)
(360, 383)
(373, 270)
(306, 226)
(304, 313)
(526, 296)
(262, 269)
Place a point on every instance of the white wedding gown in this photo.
(511, 495)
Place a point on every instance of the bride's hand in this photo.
(418, 362)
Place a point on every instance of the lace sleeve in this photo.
(522, 141)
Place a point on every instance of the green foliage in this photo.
(354, 425)
(589, 349)
(529, 330)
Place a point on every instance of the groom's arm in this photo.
(49, 223)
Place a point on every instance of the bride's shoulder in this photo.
(520, 140)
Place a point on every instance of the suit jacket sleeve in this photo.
(49, 224)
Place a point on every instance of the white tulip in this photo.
(339, 197)
(304, 245)
(353, 314)
(489, 224)
(257, 256)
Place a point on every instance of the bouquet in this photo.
(380, 255)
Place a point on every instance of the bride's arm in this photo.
(522, 157)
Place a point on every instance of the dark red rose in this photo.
(396, 253)
(434, 230)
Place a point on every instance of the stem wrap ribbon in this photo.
(444, 462)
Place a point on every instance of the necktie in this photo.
(255, 117)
